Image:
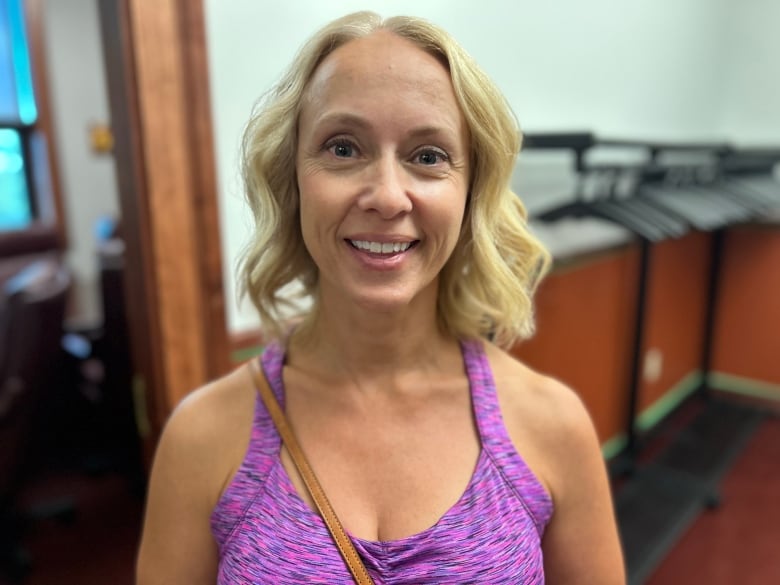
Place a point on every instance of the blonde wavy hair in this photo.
(486, 286)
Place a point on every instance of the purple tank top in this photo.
(267, 534)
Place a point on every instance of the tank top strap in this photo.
(484, 397)
(261, 454)
(272, 361)
(495, 437)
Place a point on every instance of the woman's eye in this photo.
(430, 157)
(341, 149)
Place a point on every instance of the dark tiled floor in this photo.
(739, 541)
(97, 545)
(670, 488)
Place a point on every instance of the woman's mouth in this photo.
(382, 247)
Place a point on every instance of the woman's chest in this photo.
(387, 484)
(488, 536)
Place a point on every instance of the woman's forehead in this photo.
(382, 68)
(378, 59)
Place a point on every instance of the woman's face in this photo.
(383, 172)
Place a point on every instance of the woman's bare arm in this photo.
(581, 544)
(200, 449)
(553, 431)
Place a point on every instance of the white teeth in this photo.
(381, 247)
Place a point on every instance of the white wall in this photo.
(750, 92)
(639, 69)
(78, 99)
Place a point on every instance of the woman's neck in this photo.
(355, 342)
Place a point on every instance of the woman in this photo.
(377, 172)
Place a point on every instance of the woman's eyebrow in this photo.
(425, 131)
(355, 121)
(343, 119)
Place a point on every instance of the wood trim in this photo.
(169, 184)
(140, 283)
(45, 125)
(166, 165)
(204, 186)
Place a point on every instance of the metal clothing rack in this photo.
(675, 189)
(678, 187)
(747, 176)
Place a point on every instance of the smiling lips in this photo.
(380, 247)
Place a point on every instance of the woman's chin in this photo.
(383, 304)
(383, 301)
(383, 298)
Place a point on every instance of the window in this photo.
(18, 114)
(15, 204)
(30, 205)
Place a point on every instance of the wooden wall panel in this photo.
(585, 316)
(676, 310)
(747, 334)
(585, 324)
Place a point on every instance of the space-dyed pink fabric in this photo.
(267, 534)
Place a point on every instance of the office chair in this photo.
(32, 309)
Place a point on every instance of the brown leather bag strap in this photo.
(343, 542)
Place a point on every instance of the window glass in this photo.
(9, 111)
(28, 112)
(15, 212)
(17, 98)
(18, 114)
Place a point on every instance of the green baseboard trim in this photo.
(613, 446)
(653, 414)
(241, 355)
(744, 386)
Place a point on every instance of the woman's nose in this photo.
(388, 190)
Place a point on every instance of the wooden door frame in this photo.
(157, 73)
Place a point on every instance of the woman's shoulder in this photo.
(214, 409)
(209, 431)
(198, 448)
(545, 419)
(525, 391)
